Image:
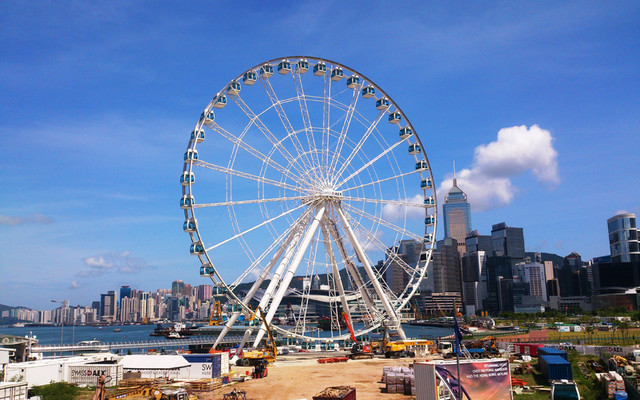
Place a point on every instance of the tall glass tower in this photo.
(457, 216)
(623, 238)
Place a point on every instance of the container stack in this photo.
(551, 351)
(555, 367)
(399, 380)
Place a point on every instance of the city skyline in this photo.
(536, 104)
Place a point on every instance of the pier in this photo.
(201, 340)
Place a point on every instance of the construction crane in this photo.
(216, 315)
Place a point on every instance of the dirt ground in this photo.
(302, 377)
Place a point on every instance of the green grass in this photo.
(587, 385)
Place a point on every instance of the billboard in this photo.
(480, 379)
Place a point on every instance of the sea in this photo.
(49, 335)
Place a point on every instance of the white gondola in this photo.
(206, 270)
(303, 66)
(198, 135)
(394, 117)
(382, 103)
(249, 78)
(234, 88)
(422, 165)
(220, 101)
(368, 92)
(187, 177)
(320, 69)
(190, 225)
(353, 82)
(414, 149)
(337, 74)
(426, 184)
(428, 238)
(186, 201)
(284, 67)
(405, 132)
(266, 71)
(429, 220)
(207, 117)
(196, 248)
(429, 201)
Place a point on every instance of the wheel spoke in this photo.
(306, 120)
(379, 181)
(383, 222)
(361, 142)
(368, 164)
(345, 128)
(255, 201)
(255, 153)
(247, 175)
(255, 227)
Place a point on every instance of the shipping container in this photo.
(208, 365)
(551, 351)
(528, 349)
(555, 367)
(88, 374)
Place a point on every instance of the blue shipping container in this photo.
(213, 359)
(555, 368)
(551, 351)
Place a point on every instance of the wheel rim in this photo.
(335, 190)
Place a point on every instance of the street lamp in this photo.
(61, 320)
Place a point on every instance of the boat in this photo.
(117, 330)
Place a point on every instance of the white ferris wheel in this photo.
(303, 181)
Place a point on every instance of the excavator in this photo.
(260, 357)
(359, 351)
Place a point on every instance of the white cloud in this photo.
(516, 151)
(30, 219)
(395, 212)
(104, 263)
(75, 285)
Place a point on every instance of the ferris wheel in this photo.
(306, 190)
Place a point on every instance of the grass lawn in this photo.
(588, 387)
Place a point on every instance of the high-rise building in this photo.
(108, 306)
(205, 292)
(125, 291)
(507, 241)
(456, 215)
(447, 274)
(177, 288)
(623, 238)
(474, 281)
(407, 252)
(475, 242)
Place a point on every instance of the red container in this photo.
(529, 349)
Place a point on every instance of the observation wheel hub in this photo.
(324, 196)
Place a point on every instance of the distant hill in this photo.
(9, 320)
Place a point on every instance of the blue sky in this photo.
(98, 100)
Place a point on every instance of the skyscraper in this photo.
(623, 238)
(456, 216)
(507, 241)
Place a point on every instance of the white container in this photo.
(88, 374)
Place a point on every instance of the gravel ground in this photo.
(300, 376)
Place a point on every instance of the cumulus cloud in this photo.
(122, 262)
(396, 212)
(75, 285)
(30, 219)
(518, 149)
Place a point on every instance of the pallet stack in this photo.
(399, 380)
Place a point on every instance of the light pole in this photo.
(61, 321)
